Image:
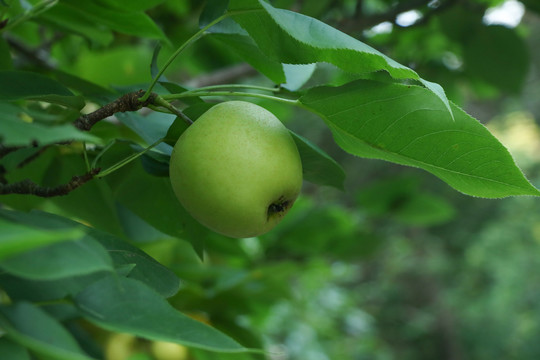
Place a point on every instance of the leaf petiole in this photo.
(127, 160)
(103, 151)
(230, 93)
(85, 155)
(234, 86)
(188, 42)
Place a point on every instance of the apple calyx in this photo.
(279, 207)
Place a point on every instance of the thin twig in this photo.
(28, 187)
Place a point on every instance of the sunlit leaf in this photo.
(245, 47)
(293, 38)
(297, 75)
(409, 125)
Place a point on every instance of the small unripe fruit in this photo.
(236, 169)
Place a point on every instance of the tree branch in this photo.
(28, 187)
(128, 102)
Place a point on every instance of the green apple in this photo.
(236, 169)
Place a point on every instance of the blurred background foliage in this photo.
(398, 266)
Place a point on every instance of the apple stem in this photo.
(234, 86)
(160, 101)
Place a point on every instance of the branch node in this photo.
(128, 102)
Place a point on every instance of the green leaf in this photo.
(246, 48)
(68, 19)
(127, 305)
(160, 208)
(409, 125)
(139, 266)
(497, 55)
(88, 89)
(297, 75)
(332, 230)
(292, 38)
(401, 197)
(146, 270)
(123, 66)
(6, 63)
(425, 210)
(176, 129)
(16, 132)
(17, 238)
(154, 67)
(385, 195)
(29, 85)
(131, 5)
(155, 163)
(60, 260)
(75, 102)
(18, 288)
(211, 11)
(92, 203)
(318, 167)
(128, 22)
(151, 128)
(34, 329)
(13, 351)
(83, 255)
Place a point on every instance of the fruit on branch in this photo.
(236, 169)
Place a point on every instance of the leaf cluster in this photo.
(76, 268)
